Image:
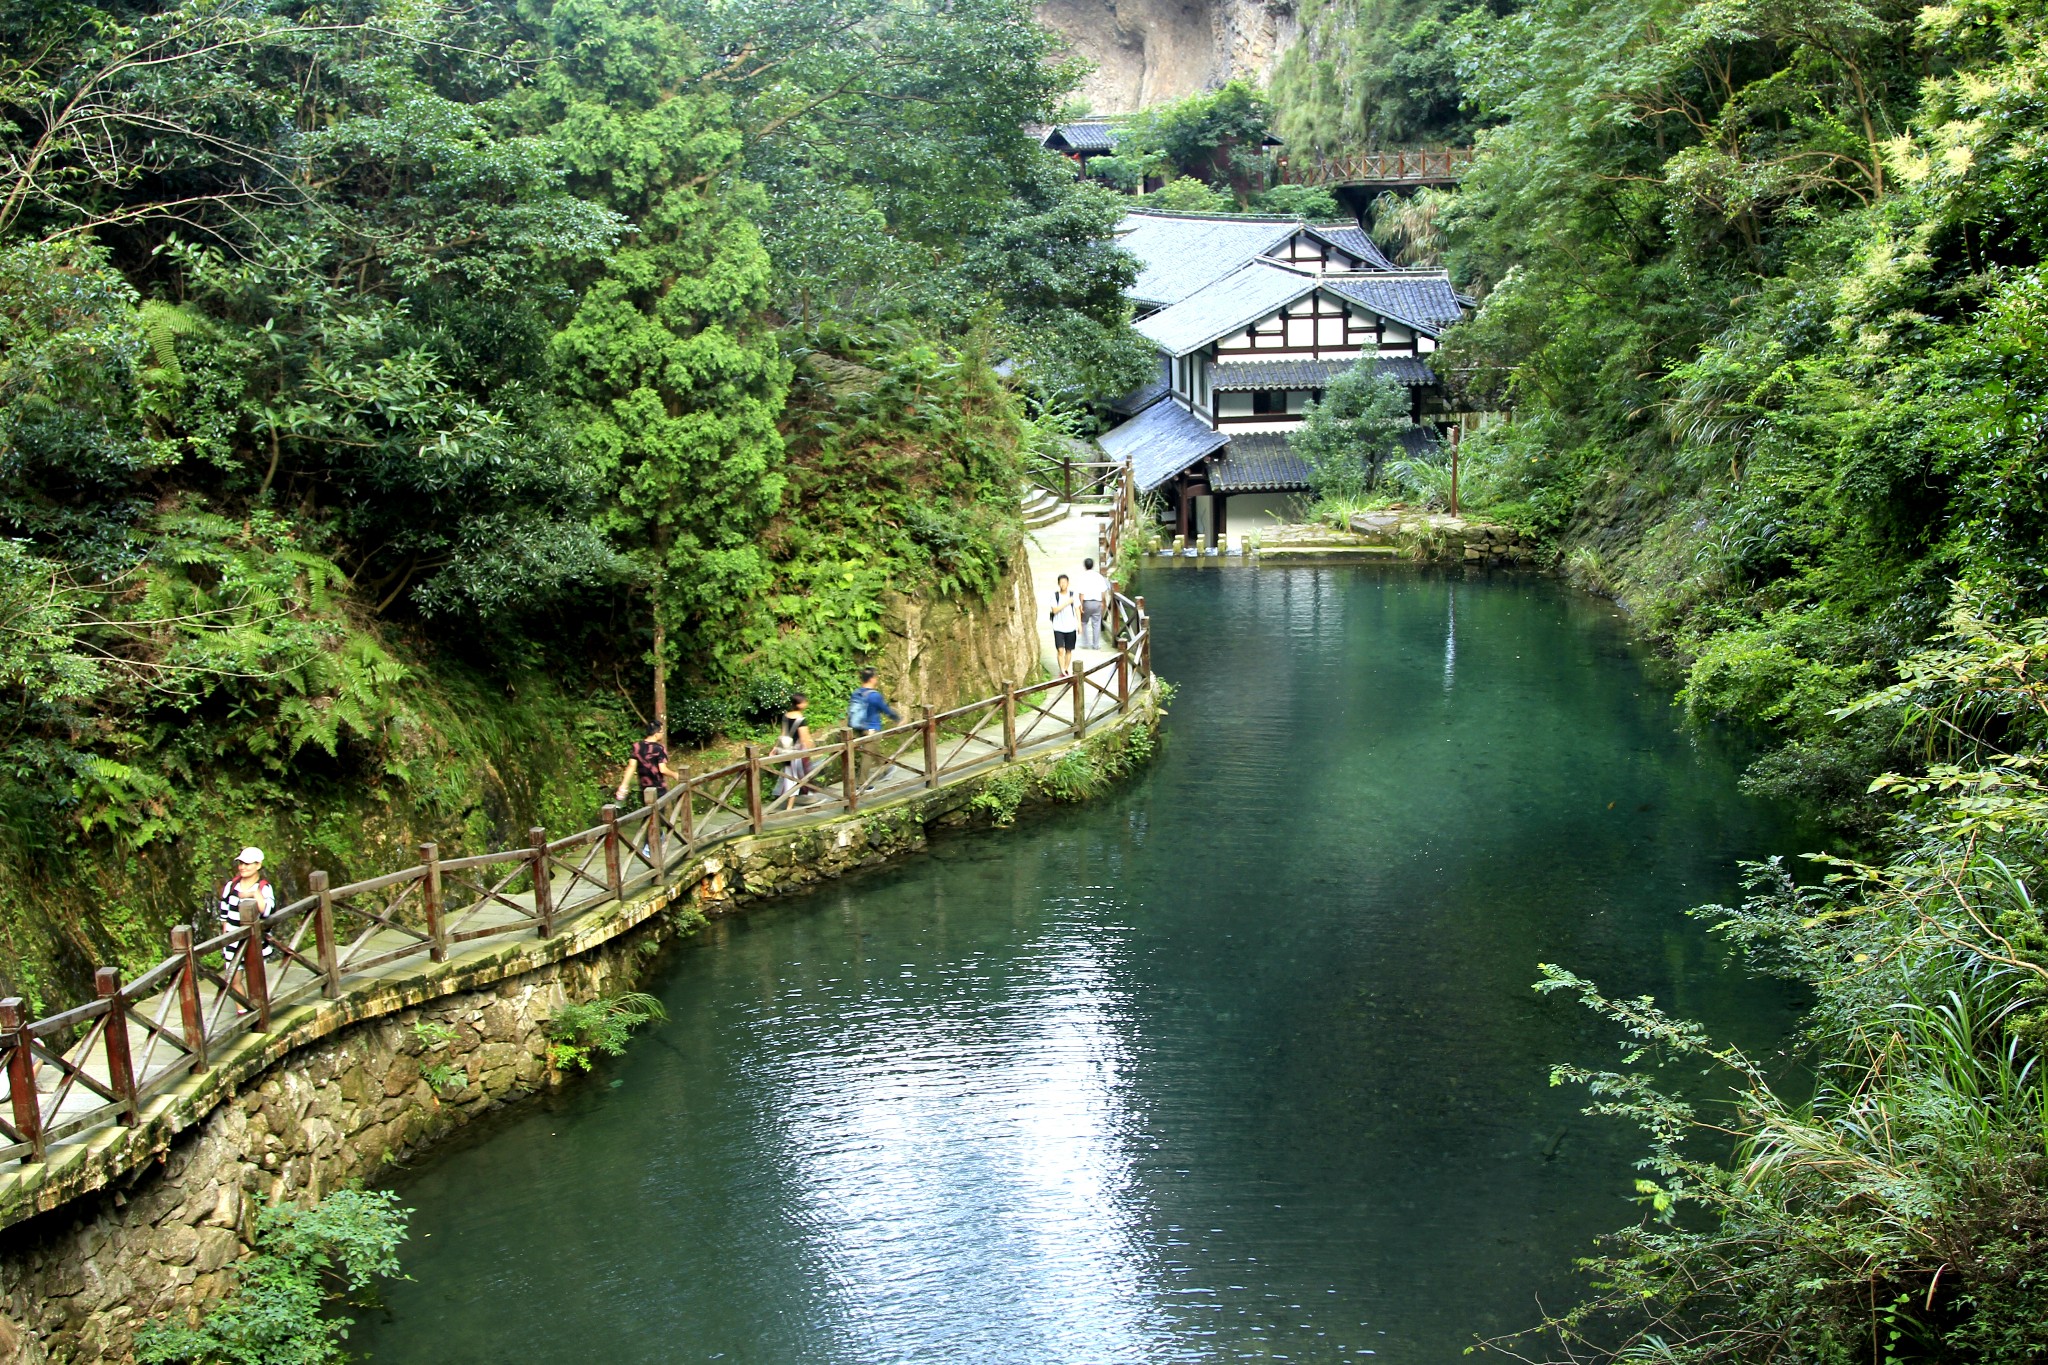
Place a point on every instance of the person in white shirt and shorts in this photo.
(1066, 609)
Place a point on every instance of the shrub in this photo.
(304, 1258)
(600, 1025)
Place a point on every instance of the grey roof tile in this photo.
(1142, 397)
(1425, 302)
(1238, 375)
(1421, 443)
(1228, 305)
(1356, 243)
(1180, 253)
(1259, 464)
(1086, 137)
(1160, 442)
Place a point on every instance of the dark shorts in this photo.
(1064, 639)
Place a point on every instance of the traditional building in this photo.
(1081, 142)
(1253, 318)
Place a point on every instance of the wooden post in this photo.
(21, 1076)
(657, 847)
(323, 936)
(1080, 698)
(189, 1013)
(614, 875)
(931, 745)
(543, 884)
(688, 809)
(430, 899)
(849, 771)
(1067, 478)
(1455, 433)
(1123, 679)
(1010, 722)
(1144, 632)
(106, 983)
(254, 974)
(754, 816)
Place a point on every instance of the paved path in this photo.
(1059, 549)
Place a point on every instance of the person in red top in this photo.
(650, 762)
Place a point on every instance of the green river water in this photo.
(1239, 1063)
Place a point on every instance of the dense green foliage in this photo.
(582, 1027)
(1763, 290)
(304, 1258)
(384, 386)
(1374, 73)
(1353, 430)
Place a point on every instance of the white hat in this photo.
(252, 854)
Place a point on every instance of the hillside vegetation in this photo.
(391, 392)
(1763, 290)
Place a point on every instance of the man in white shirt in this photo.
(1093, 590)
(1064, 610)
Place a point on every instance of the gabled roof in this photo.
(1084, 137)
(1422, 300)
(1160, 442)
(1142, 397)
(1259, 464)
(1353, 242)
(1421, 443)
(1179, 253)
(1230, 305)
(1238, 375)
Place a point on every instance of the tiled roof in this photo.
(1142, 397)
(1258, 464)
(1086, 137)
(1354, 242)
(1229, 305)
(1425, 302)
(1238, 375)
(1179, 253)
(1160, 442)
(1420, 443)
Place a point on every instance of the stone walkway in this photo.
(1059, 549)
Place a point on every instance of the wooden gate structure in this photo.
(70, 1075)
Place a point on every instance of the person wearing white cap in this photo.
(248, 883)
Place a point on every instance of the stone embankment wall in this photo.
(339, 1088)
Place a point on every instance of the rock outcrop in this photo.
(1146, 52)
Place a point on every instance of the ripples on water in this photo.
(1241, 1064)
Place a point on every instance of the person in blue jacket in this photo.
(864, 713)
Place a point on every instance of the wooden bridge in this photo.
(74, 1074)
(1379, 170)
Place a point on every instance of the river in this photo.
(1239, 1063)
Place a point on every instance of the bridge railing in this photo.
(1072, 480)
(71, 1074)
(1440, 165)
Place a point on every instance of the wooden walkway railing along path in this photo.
(1442, 166)
(72, 1074)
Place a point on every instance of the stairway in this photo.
(1041, 508)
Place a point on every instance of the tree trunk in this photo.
(660, 667)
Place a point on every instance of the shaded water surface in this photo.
(1241, 1063)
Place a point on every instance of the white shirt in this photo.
(1063, 611)
(1091, 586)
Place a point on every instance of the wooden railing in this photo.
(1072, 480)
(72, 1073)
(1442, 166)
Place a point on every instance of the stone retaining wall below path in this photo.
(341, 1087)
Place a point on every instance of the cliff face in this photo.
(1146, 52)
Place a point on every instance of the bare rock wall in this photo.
(1147, 52)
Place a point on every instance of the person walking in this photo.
(864, 714)
(794, 743)
(1093, 590)
(248, 883)
(1065, 611)
(649, 762)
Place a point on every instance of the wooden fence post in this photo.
(754, 816)
(430, 899)
(1144, 631)
(849, 771)
(1123, 679)
(323, 936)
(106, 983)
(1067, 478)
(614, 877)
(1080, 698)
(656, 846)
(189, 1013)
(543, 883)
(1010, 722)
(930, 724)
(255, 974)
(21, 1076)
(684, 804)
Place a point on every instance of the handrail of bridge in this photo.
(1072, 480)
(1415, 167)
(71, 1074)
